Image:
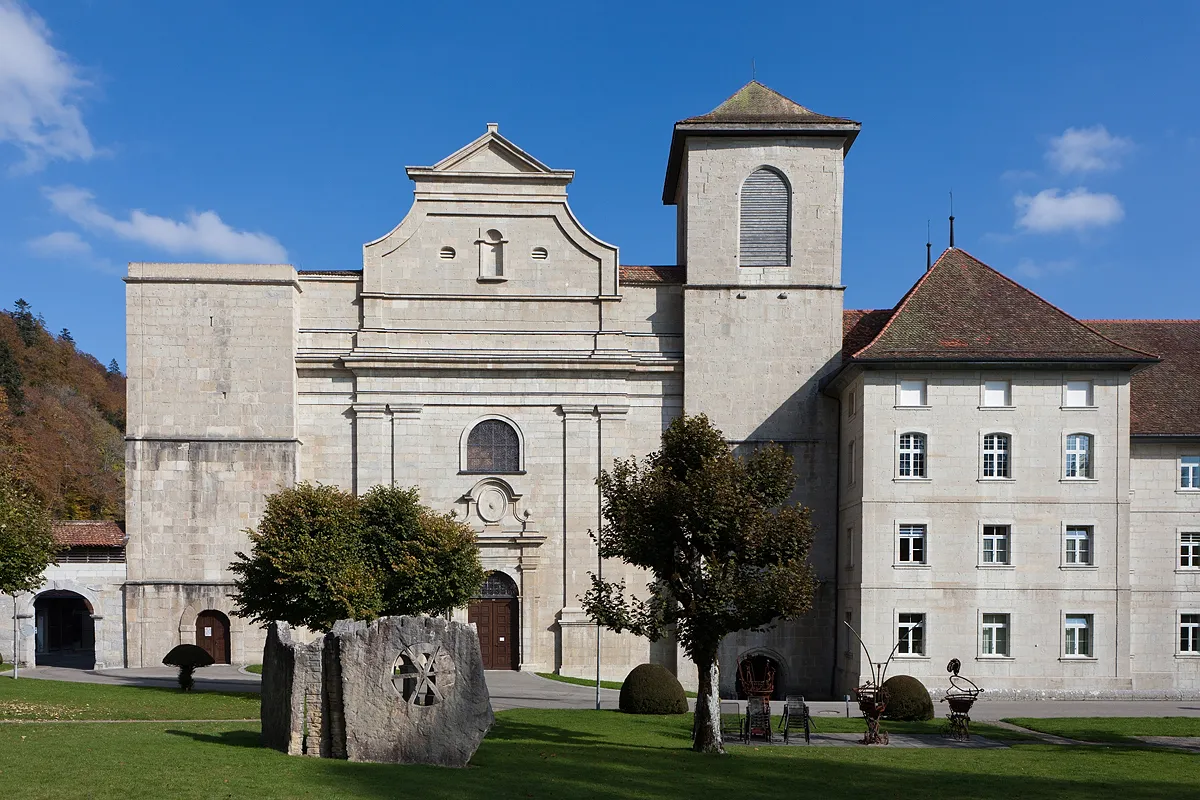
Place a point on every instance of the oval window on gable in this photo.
(765, 215)
(493, 446)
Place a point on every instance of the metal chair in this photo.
(796, 716)
(731, 719)
(758, 719)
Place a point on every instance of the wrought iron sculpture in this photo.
(961, 695)
(760, 685)
(872, 697)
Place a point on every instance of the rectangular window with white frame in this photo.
(1079, 394)
(1077, 636)
(997, 546)
(997, 394)
(997, 448)
(1189, 634)
(910, 634)
(913, 393)
(1189, 550)
(1078, 549)
(993, 641)
(911, 455)
(1189, 472)
(1078, 457)
(911, 545)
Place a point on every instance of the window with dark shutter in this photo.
(493, 446)
(766, 207)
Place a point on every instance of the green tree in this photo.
(26, 545)
(321, 554)
(430, 561)
(28, 326)
(724, 549)
(11, 378)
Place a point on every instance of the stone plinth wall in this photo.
(406, 690)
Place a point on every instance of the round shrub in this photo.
(908, 699)
(652, 689)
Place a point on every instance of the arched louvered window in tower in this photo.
(493, 446)
(765, 217)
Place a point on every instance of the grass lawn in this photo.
(1117, 730)
(616, 685)
(255, 668)
(533, 754)
(32, 698)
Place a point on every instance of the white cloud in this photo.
(1028, 268)
(1050, 210)
(59, 243)
(200, 233)
(1087, 150)
(38, 92)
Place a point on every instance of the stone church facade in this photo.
(991, 479)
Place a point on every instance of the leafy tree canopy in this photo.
(724, 549)
(321, 554)
(26, 546)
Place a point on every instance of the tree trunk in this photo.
(706, 723)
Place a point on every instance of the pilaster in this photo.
(372, 446)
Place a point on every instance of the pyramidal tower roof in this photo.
(754, 110)
(757, 103)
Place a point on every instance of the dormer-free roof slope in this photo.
(963, 310)
(1164, 399)
(757, 103)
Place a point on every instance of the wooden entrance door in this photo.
(212, 634)
(496, 622)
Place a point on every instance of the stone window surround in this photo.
(1069, 378)
(1091, 525)
(466, 433)
(1092, 638)
(1178, 554)
(986, 523)
(1091, 454)
(905, 523)
(900, 380)
(924, 433)
(1179, 487)
(1012, 448)
(850, 456)
(983, 381)
(1180, 653)
(925, 648)
(982, 656)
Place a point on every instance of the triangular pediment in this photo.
(492, 153)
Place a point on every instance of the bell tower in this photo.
(757, 184)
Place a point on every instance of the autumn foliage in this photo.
(62, 419)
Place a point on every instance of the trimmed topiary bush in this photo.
(908, 699)
(652, 689)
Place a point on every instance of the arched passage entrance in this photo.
(66, 631)
(212, 634)
(494, 614)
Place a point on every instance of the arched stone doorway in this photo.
(212, 635)
(66, 630)
(495, 612)
(760, 666)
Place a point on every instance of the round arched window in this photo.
(493, 446)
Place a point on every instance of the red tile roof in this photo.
(963, 310)
(90, 533)
(1164, 399)
(634, 276)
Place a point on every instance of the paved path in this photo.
(526, 690)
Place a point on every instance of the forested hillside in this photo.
(62, 419)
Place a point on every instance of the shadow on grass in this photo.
(234, 738)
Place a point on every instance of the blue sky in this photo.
(134, 130)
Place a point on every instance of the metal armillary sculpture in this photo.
(961, 695)
(872, 697)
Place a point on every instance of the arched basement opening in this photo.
(212, 635)
(760, 667)
(66, 632)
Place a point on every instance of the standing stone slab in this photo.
(412, 691)
(293, 693)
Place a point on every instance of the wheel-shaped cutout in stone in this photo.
(423, 674)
